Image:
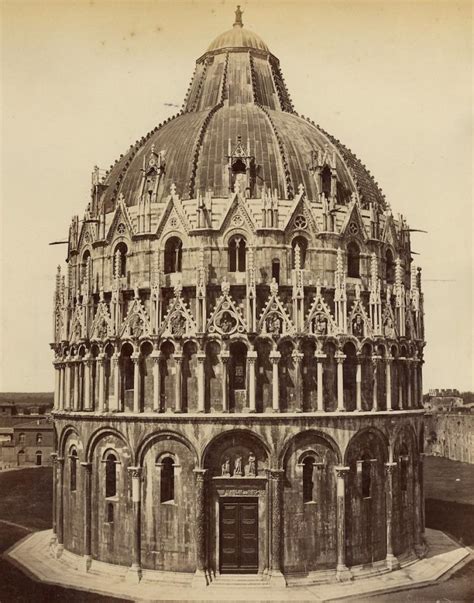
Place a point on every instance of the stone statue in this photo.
(252, 465)
(358, 326)
(226, 467)
(389, 331)
(320, 325)
(238, 465)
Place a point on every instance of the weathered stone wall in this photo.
(450, 435)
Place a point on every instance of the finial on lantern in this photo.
(238, 17)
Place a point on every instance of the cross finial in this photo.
(238, 17)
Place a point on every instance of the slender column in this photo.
(100, 377)
(359, 384)
(200, 527)
(177, 384)
(251, 360)
(275, 478)
(408, 374)
(116, 405)
(87, 475)
(401, 381)
(391, 560)
(54, 462)
(415, 385)
(419, 519)
(60, 506)
(340, 382)
(61, 387)
(225, 385)
(274, 359)
(135, 572)
(201, 357)
(375, 401)
(319, 385)
(342, 572)
(75, 389)
(297, 359)
(67, 389)
(136, 382)
(87, 383)
(156, 379)
(388, 382)
(420, 383)
(57, 381)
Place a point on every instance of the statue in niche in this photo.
(136, 326)
(320, 325)
(226, 322)
(238, 465)
(358, 326)
(178, 325)
(388, 329)
(77, 330)
(252, 465)
(102, 330)
(273, 324)
(226, 467)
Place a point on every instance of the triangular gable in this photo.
(87, 235)
(353, 224)
(178, 322)
(237, 215)
(78, 324)
(102, 325)
(389, 234)
(300, 216)
(411, 330)
(121, 216)
(136, 323)
(173, 217)
(389, 323)
(319, 320)
(274, 319)
(359, 322)
(226, 318)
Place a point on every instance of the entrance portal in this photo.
(238, 535)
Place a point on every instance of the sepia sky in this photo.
(81, 81)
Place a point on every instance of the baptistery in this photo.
(238, 348)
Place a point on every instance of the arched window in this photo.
(167, 480)
(73, 469)
(366, 478)
(403, 460)
(326, 178)
(110, 513)
(110, 475)
(128, 368)
(389, 267)
(21, 438)
(302, 245)
(353, 260)
(276, 270)
(121, 260)
(237, 254)
(173, 255)
(308, 484)
(39, 457)
(39, 438)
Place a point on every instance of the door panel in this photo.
(239, 535)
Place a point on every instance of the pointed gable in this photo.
(173, 217)
(319, 320)
(102, 325)
(78, 324)
(389, 234)
(136, 323)
(359, 322)
(300, 216)
(121, 222)
(179, 321)
(353, 225)
(388, 322)
(274, 319)
(238, 215)
(226, 318)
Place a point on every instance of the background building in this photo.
(238, 347)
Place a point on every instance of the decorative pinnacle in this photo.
(238, 17)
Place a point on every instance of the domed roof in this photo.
(238, 37)
(238, 96)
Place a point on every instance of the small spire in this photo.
(238, 17)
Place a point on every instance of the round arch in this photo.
(152, 438)
(226, 434)
(98, 435)
(64, 436)
(367, 430)
(315, 432)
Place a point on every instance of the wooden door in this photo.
(239, 535)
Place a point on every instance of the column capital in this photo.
(87, 466)
(225, 355)
(178, 356)
(135, 472)
(251, 357)
(320, 355)
(60, 460)
(201, 356)
(390, 467)
(54, 457)
(297, 356)
(275, 474)
(389, 359)
(340, 357)
(341, 471)
(135, 357)
(200, 474)
(274, 356)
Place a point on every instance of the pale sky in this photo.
(81, 81)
